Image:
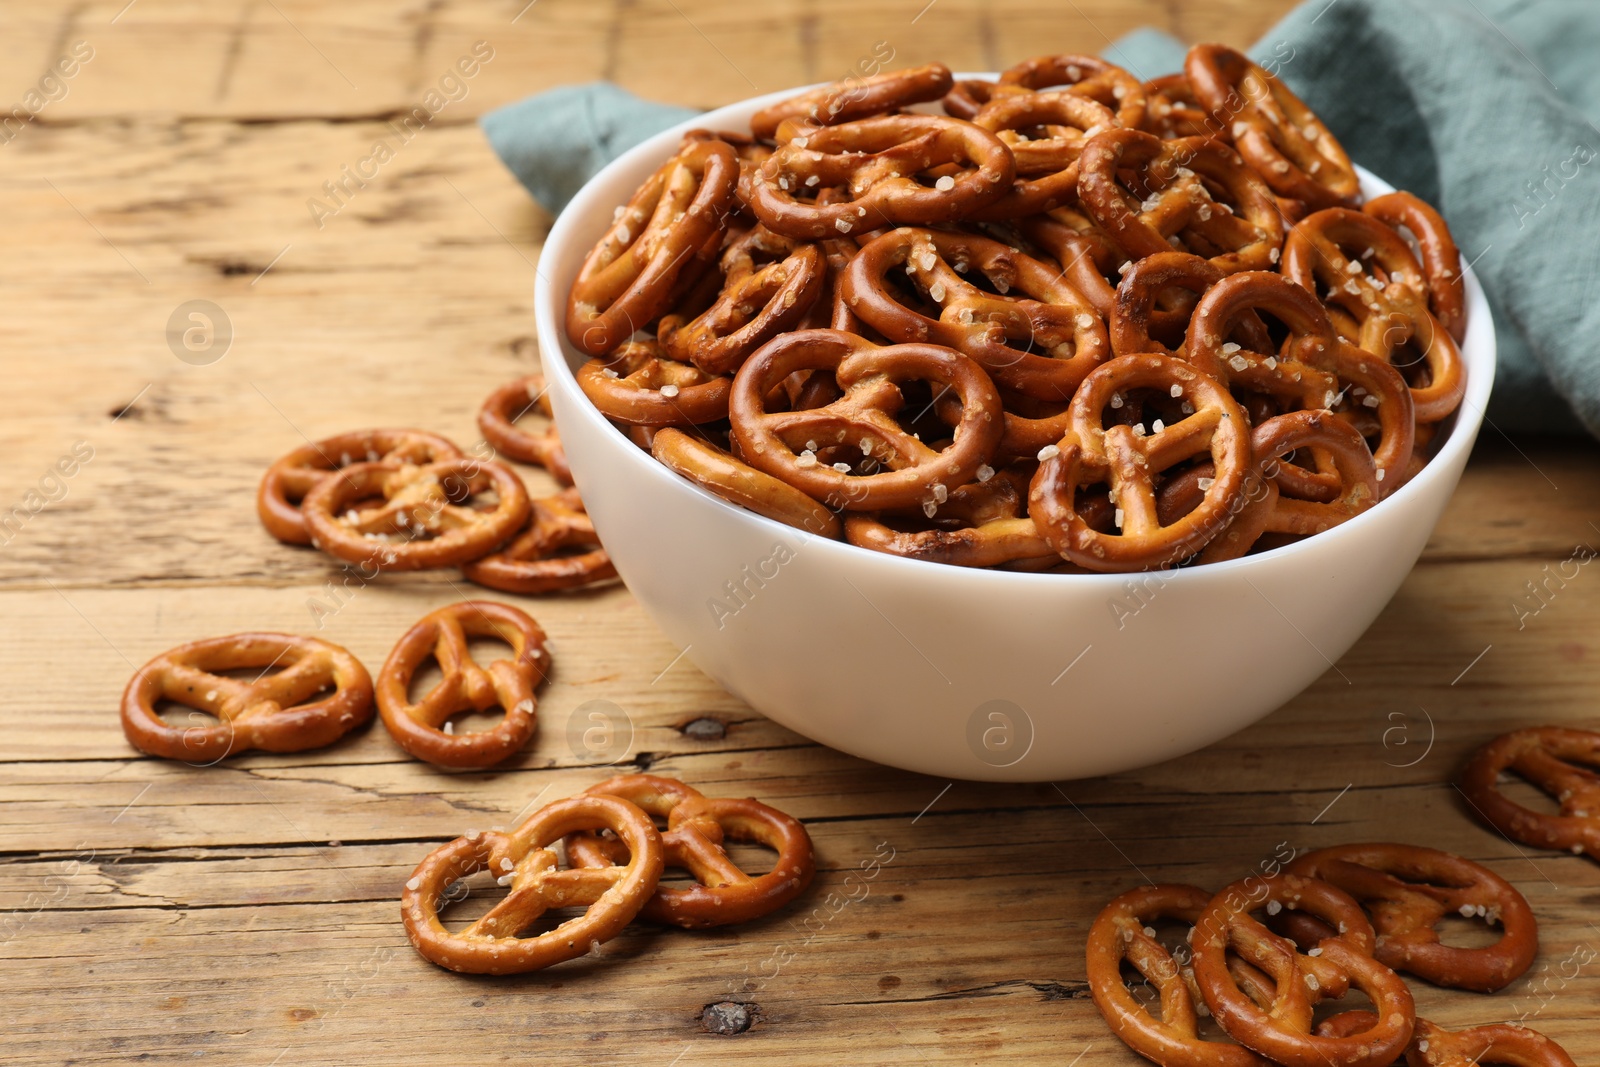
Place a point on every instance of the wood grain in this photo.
(247, 913)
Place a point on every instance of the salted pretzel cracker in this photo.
(739, 483)
(425, 518)
(1088, 76)
(1561, 762)
(1390, 309)
(1088, 258)
(1047, 166)
(1130, 460)
(525, 860)
(497, 419)
(1272, 128)
(282, 710)
(785, 444)
(1441, 260)
(1351, 460)
(1136, 318)
(441, 636)
(757, 302)
(291, 477)
(1406, 890)
(1494, 1045)
(879, 161)
(628, 278)
(1313, 368)
(855, 98)
(1242, 232)
(1120, 933)
(1281, 1029)
(1043, 341)
(983, 524)
(642, 386)
(1172, 110)
(541, 559)
(697, 828)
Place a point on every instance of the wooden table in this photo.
(246, 913)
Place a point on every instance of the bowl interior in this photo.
(589, 214)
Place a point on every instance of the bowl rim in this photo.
(550, 314)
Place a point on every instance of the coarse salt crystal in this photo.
(861, 211)
(1229, 348)
(1369, 401)
(1157, 426)
(842, 468)
(416, 883)
(1116, 400)
(608, 372)
(1381, 473)
(1238, 363)
(1119, 518)
(1205, 483)
(842, 225)
(985, 472)
(929, 508)
(940, 492)
(813, 181)
(936, 293)
(1085, 321)
(669, 390)
(1048, 452)
(945, 184)
(1273, 255)
(450, 728)
(1273, 907)
(1352, 267)
(807, 460)
(1175, 391)
(800, 142)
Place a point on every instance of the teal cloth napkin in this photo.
(1485, 108)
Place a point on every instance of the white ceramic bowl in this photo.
(964, 673)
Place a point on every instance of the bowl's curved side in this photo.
(974, 674)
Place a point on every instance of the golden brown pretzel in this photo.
(696, 828)
(274, 712)
(1129, 460)
(1041, 342)
(1242, 232)
(1172, 111)
(1182, 493)
(983, 524)
(524, 860)
(498, 417)
(629, 277)
(1135, 319)
(1120, 932)
(1087, 255)
(509, 684)
(757, 302)
(425, 518)
(1559, 761)
(877, 161)
(1441, 260)
(738, 483)
(290, 478)
(855, 98)
(541, 558)
(1406, 890)
(1390, 309)
(1047, 166)
(862, 421)
(1087, 76)
(1506, 1045)
(1272, 128)
(1350, 458)
(1281, 1028)
(641, 386)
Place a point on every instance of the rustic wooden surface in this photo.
(247, 913)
